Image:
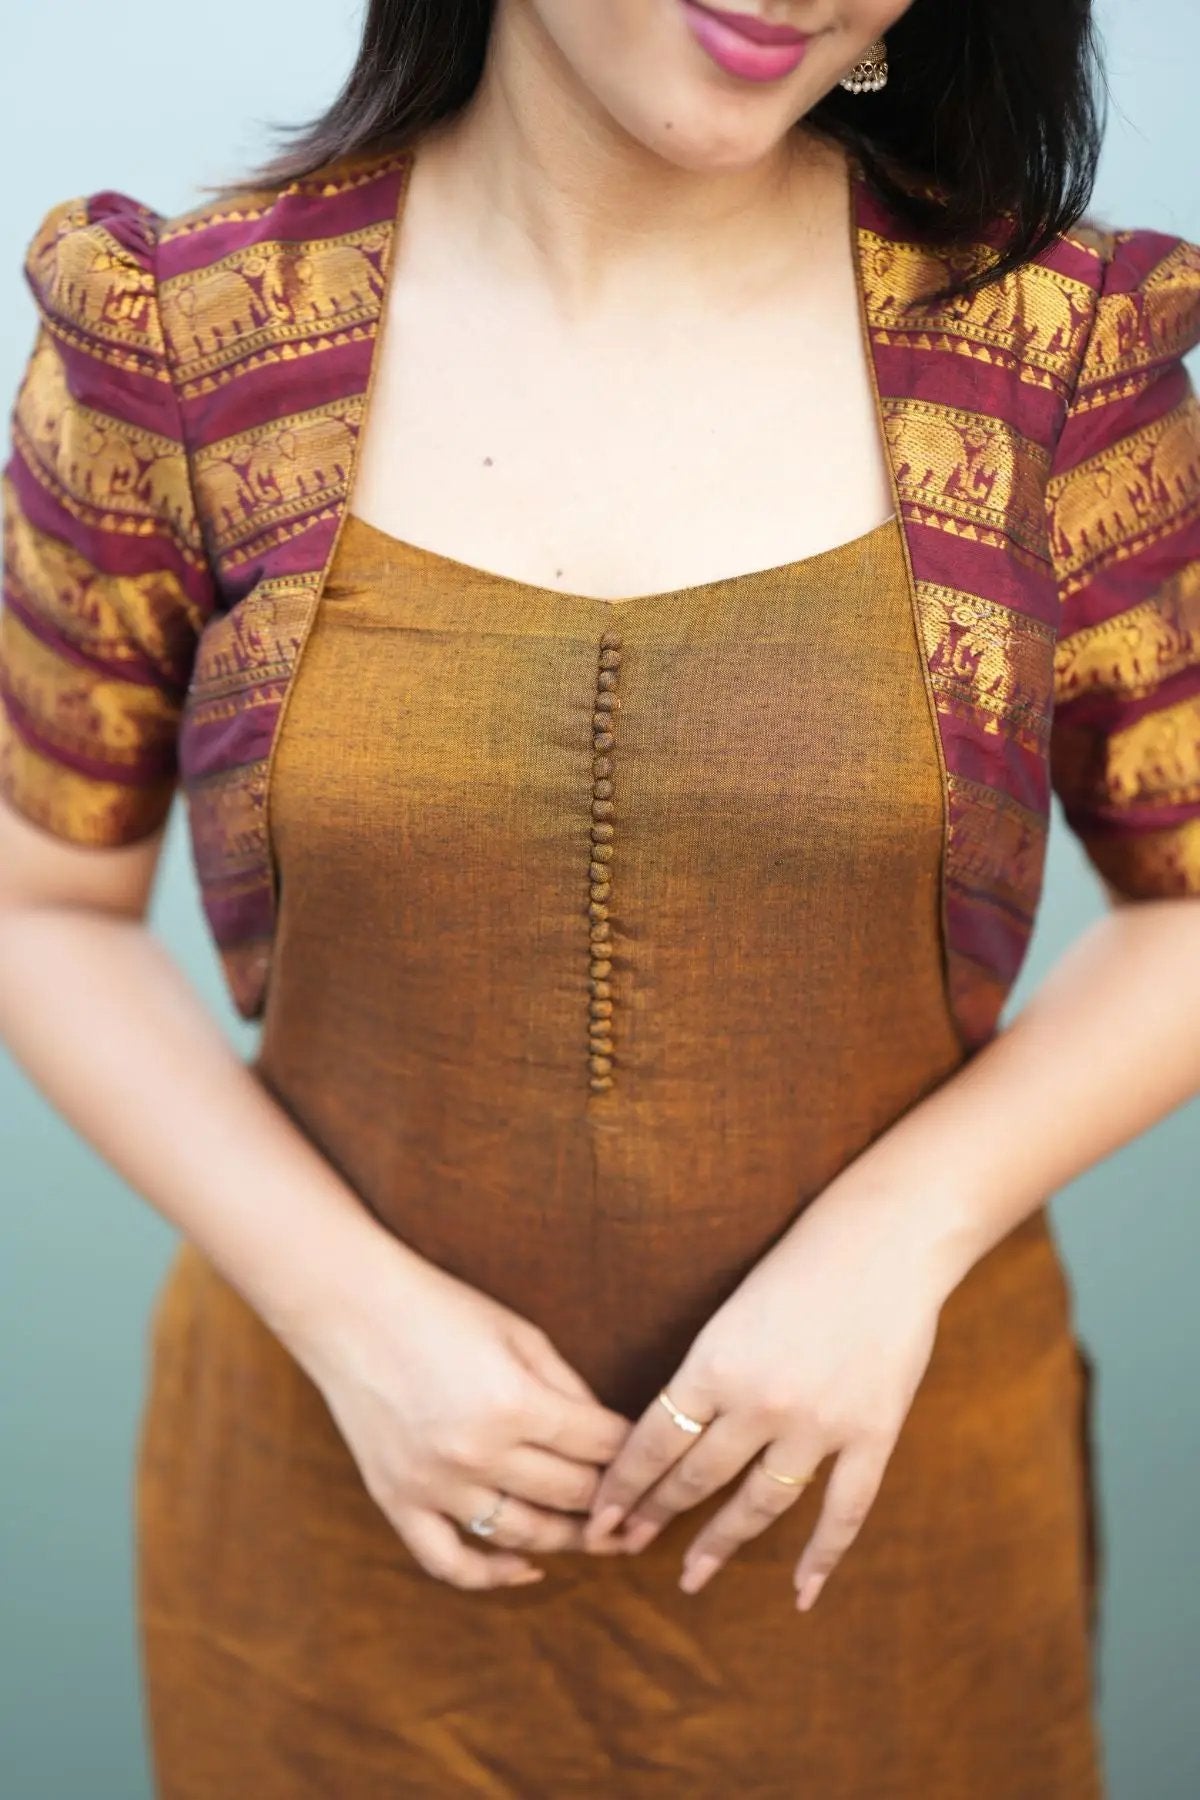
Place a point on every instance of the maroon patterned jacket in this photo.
(182, 454)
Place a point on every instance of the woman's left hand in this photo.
(819, 1351)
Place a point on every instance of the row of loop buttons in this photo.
(600, 1007)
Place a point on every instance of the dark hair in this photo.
(990, 121)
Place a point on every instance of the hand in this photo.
(819, 1351)
(446, 1399)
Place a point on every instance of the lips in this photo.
(743, 45)
(757, 30)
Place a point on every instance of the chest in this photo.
(630, 448)
(634, 469)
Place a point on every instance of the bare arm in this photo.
(108, 1028)
(1107, 1046)
(819, 1351)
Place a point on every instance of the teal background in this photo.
(154, 104)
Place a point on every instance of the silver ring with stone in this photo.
(484, 1524)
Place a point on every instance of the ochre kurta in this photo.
(771, 996)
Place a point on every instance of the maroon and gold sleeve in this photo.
(1124, 501)
(106, 584)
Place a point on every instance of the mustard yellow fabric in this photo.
(772, 998)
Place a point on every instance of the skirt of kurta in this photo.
(738, 784)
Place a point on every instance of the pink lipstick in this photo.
(744, 45)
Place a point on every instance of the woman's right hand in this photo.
(447, 1398)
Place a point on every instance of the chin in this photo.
(698, 141)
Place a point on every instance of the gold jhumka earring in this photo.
(870, 73)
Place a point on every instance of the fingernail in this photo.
(528, 1575)
(809, 1591)
(697, 1573)
(602, 1546)
(640, 1534)
(607, 1520)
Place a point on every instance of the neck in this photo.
(545, 173)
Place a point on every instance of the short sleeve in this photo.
(1124, 506)
(106, 585)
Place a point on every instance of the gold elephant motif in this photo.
(996, 844)
(1157, 321)
(262, 632)
(969, 466)
(1131, 653)
(216, 314)
(87, 280)
(206, 314)
(1131, 490)
(325, 284)
(989, 659)
(260, 480)
(102, 464)
(1035, 314)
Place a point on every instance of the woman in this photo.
(633, 488)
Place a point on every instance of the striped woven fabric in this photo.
(181, 458)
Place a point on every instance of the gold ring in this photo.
(681, 1418)
(796, 1481)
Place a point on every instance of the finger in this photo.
(435, 1543)
(532, 1473)
(715, 1458)
(518, 1525)
(540, 1355)
(583, 1430)
(849, 1495)
(758, 1501)
(654, 1445)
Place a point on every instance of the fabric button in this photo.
(606, 705)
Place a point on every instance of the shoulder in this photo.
(1095, 305)
(258, 277)
(90, 266)
(1146, 309)
(345, 198)
(97, 255)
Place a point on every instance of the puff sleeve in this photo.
(1124, 507)
(106, 585)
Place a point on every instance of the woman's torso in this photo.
(600, 1089)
